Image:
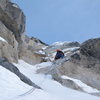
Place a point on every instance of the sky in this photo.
(61, 20)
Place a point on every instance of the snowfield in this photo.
(10, 85)
(60, 43)
(12, 88)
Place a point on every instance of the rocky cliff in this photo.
(12, 28)
(14, 44)
(80, 62)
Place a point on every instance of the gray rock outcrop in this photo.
(91, 48)
(12, 17)
(79, 71)
(7, 51)
(84, 64)
(12, 25)
(29, 50)
(12, 28)
(34, 44)
(8, 35)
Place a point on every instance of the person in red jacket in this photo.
(59, 54)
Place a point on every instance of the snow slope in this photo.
(12, 88)
(51, 89)
(10, 85)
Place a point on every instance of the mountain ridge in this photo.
(81, 61)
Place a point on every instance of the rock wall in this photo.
(91, 48)
(82, 64)
(12, 25)
(85, 64)
(8, 49)
(87, 75)
(12, 17)
(12, 28)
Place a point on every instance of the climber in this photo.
(59, 54)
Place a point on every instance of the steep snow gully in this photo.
(12, 88)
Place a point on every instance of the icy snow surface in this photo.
(10, 85)
(60, 43)
(2, 39)
(52, 90)
(12, 88)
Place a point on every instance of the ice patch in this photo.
(2, 39)
(16, 6)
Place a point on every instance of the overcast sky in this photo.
(61, 20)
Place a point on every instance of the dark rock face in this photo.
(12, 17)
(76, 56)
(85, 64)
(12, 26)
(74, 44)
(91, 48)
